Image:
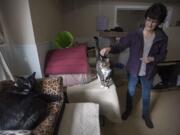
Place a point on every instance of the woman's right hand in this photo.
(105, 51)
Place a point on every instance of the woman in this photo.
(148, 47)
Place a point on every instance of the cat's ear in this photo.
(32, 76)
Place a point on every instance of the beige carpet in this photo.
(165, 107)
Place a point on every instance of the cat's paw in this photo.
(106, 88)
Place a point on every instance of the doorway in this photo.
(133, 16)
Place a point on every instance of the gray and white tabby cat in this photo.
(103, 67)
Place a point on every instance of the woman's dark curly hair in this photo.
(157, 11)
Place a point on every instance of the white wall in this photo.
(175, 14)
(3, 75)
(20, 37)
(47, 21)
(125, 18)
(79, 17)
(31, 27)
(18, 23)
(173, 43)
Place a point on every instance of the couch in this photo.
(49, 125)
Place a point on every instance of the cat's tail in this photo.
(98, 55)
(97, 42)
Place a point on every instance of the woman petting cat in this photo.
(148, 47)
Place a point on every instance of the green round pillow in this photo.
(64, 39)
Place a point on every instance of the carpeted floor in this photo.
(165, 112)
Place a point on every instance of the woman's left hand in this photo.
(147, 60)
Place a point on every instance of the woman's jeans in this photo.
(146, 91)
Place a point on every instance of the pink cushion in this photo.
(68, 60)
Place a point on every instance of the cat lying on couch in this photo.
(22, 107)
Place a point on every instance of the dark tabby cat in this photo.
(102, 67)
(21, 107)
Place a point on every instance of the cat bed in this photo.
(67, 61)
